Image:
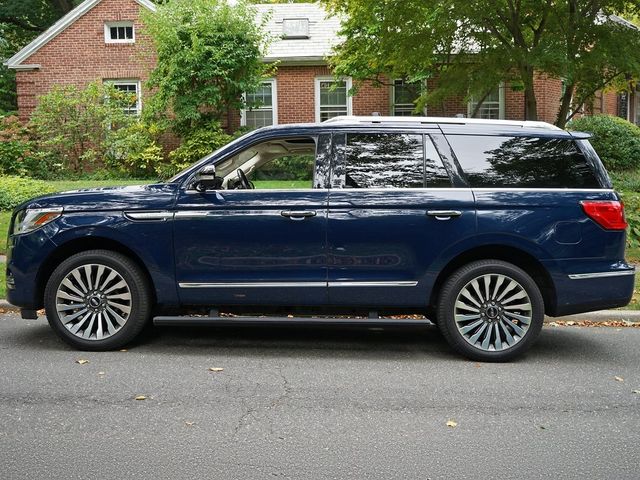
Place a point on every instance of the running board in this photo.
(191, 321)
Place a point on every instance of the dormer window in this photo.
(293, 28)
(119, 32)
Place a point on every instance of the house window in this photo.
(262, 106)
(332, 98)
(293, 28)
(403, 95)
(119, 32)
(132, 101)
(492, 106)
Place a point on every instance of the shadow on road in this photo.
(562, 344)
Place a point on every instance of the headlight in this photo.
(33, 218)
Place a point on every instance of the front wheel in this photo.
(97, 300)
(490, 310)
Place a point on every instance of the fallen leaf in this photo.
(141, 397)
(100, 373)
(189, 424)
(124, 350)
(542, 427)
(477, 365)
(571, 323)
(452, 423)
(553, 324)
(216, 369)
(637, 392)
(82, 361)
(618, 379)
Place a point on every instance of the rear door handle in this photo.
(298, 214)
(444, 214)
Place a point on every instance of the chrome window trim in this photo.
(582, 276)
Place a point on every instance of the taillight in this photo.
(606, 213)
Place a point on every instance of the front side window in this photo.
(492, 106)
(131, 98)
(394, 160)
(119, 32)
(527, 162)
(404, 95)
(332, 98)
(261, 106)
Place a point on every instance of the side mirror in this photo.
(206, 179)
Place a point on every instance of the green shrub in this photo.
(616, 140)
(199, 143)
(632, 212)
(15, 190)
(135, 152)
(76, 127)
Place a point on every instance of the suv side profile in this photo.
(482, 226)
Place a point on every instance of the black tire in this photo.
(137, 288)
(496, 319)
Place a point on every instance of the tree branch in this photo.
(24, 24)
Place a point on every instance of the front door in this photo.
(263, 245)
(391, 216)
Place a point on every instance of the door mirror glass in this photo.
(206, 179)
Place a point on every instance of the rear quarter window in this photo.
(527, 162)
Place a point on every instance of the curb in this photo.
(632, 316)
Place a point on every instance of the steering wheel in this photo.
(244, 181)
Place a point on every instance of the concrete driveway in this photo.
(316, 404)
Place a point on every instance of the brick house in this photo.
(101, 40)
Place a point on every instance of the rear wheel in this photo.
(490, 310)
(97, 300)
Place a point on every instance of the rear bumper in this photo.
(589, 291)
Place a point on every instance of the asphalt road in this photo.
(316, 404)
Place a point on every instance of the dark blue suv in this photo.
(482, 226)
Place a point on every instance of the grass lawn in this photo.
(3, 287)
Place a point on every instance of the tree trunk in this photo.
(530, 103)
(565, 105)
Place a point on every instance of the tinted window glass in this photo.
(522, 162)
(384, 161)
(435, 174)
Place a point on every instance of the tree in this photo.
(208, 54)
(473, 45)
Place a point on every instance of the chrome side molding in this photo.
(582, 276)
(149, 216)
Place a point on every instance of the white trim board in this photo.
(60, 26)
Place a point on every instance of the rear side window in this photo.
(395, 160)
(527, 162)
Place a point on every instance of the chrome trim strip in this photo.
(582, 276)
(296, 284)
(162, 216)
(514, 189)
(252, 284)
(374, 284)
(191, 214)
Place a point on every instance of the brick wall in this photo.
(79, 55)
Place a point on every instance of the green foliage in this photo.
(208, 54)
(473, 45)
(76, 127)
(15, 190)
(135, 151)
(296, 167)
(632, 212)
(616, 140)
(197, 144)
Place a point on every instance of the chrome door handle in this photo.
(298, 214)
(444, 214)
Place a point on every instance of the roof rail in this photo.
(437, 120)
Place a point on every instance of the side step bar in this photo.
(285, 321)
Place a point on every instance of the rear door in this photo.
(392, 211)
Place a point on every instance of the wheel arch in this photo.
(84, 244)
(518, 257)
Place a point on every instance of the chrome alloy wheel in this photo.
(493, 312)
(93, 301)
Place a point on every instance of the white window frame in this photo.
(135, 82)
(392, 109)
(501, 103)
(107, 32)
(273, 108)
(347, 81)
